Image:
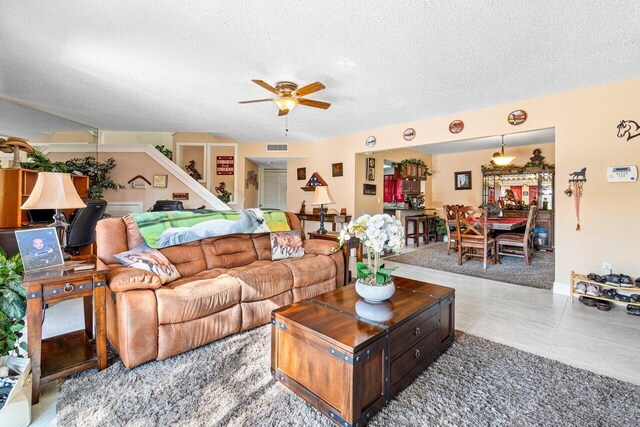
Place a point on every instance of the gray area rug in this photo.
(475, 383)
(540, 274)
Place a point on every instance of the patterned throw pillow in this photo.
(146, 258)
(286, 244)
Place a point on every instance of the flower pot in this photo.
(375, 293)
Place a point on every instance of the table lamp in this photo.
(322, 196)
(55, 191)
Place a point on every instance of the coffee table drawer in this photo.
(65, 289)
(414, 356)
(413, 331)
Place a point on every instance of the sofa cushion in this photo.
(197, 298)
(310, 269)
(145, 258)
(262, 245)
(228, 251)
(188, 258)
(123, 279)
(286, 244)
(262, 279)
(256, 313)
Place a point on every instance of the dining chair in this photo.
(473, 234)
(519, 244)
(451, 216)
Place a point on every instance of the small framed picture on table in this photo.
(39, 248)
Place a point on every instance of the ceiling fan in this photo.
(289, 95)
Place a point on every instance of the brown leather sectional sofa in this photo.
(229, 284)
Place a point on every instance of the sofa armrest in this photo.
(320, 247)
(125, 279)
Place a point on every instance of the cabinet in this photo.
(411, 171)
(16, 186)
(410, 186)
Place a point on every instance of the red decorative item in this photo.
(577, 194)
(517, 117)
(456, 126)
(224, 165)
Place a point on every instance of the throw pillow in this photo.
(286, 244)
(146, 258)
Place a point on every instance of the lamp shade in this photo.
(286, 102)
(53, 191)
(322, 196)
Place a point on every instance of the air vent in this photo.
(277, 147)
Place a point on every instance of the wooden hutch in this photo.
(16, 186)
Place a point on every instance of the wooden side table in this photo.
(353, 243)
(63, 355)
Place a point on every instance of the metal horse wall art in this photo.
(629, 128)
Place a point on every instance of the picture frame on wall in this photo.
(160, 181)
(336, 169)
(301, 173)
(370, 169)
(462, 180)
(369, 189)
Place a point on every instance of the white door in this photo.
(273, 193)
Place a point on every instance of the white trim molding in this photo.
(560, 288)
(151, 151)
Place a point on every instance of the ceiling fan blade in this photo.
(283, 112)
(310, 88)
(314, 104)
(255, 100)
(267, 86)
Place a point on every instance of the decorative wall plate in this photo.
(371, 141)
(517, 117)
(409, 134)
(456, 126)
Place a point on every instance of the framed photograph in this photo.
(39, 248)
(463, 180)
(302, 174)
(336, 169)
(369, 189)
(160, 181)
(370, 169)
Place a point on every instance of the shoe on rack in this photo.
(632, 309)
(623, 298)
(609, 293)
(596, 278)
(637, 282)
(603, 305)
(625, 281)
(635, 297)
(594, 290)
(613, 278)
(581, 288)
(589, 302)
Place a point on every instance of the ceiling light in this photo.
(286, 103)
(502, 160)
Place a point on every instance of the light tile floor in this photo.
(533, 320)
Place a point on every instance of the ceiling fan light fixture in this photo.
(502, 160)
(286, 103)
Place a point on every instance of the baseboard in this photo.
(560, 288)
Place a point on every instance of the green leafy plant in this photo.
(40, 162)
(418, 162)
(441, 226)
(13, 304)
(99, 174)
(165, 151)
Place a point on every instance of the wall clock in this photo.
(409, 134)
(371, 141)
(517, 117)
(456, 126)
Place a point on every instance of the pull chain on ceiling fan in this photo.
(289, 95)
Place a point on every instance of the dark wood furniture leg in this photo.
(88, 316)
(34, 338)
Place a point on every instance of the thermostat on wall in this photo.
(622, 174)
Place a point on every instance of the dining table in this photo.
(499, 224)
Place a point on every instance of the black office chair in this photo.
(167, 205)
(82, 229)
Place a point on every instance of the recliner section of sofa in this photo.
(229, 284)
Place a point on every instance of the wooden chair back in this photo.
(472, 223)
(531, 223)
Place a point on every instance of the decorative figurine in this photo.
(303, 207)
(192, 171)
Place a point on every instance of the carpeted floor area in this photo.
(540, 274)
(476, 382)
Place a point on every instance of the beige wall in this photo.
(129, 165)
(374, 204)
(67, 137)
(250, 192)
(445, 165)
(138, 138)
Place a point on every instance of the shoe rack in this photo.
(575, 278)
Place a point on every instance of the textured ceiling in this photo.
(184, 65)
(535, 137)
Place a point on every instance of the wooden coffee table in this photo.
(348, 358)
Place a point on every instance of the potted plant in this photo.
(13, 305)
(421, 168)
(441, 228)
(99, 174)
(374, 282)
